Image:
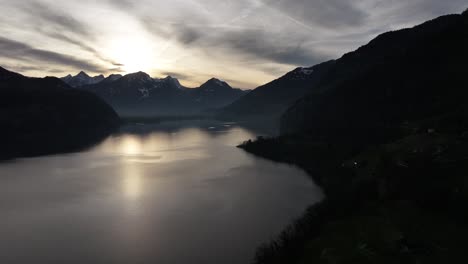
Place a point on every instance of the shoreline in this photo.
(384, 204)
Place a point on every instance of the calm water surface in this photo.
(172, 193)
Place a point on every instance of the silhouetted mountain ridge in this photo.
(141, 95)
(81, 79)
(272, 99)
(45, 115)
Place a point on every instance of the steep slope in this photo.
(272, 99)
(81, 79)
(42, 116)
(398, 78)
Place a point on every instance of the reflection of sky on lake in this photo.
(171, 193)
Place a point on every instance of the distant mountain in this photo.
(81, 79)
(139, 94)
(272, 99)
(112, 77)
(398, 79)
(43, 116)
(215, 94)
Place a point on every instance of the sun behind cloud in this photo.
(135, 53)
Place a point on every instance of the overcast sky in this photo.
(244, 42)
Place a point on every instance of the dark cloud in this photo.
(275, 48)
(264, 43)
(57, 24)
(123, 4)
(258, 44)
(434, 7)
(275, 71)
(117, 70)
(22, 68)
(417, 11)
(82, 45)
(189, 36)
(21, 51)
(321, 13)
(27, 68)
(286, 44)
(183, 32)
(48, 16)
(177, 75)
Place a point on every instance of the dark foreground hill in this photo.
(385, 134)
(44, 116)
(398, 78)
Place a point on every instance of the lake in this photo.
(177, 192)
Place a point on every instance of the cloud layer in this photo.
(24, 52)
(246, 41)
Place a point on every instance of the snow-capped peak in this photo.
(301, 73)
(306, 71)
(81, 79)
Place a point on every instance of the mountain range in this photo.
(141, 95)
(81, 79)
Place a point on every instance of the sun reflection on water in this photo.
(131, 146)
(137, 152)
(132, 182)
(132, 186)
